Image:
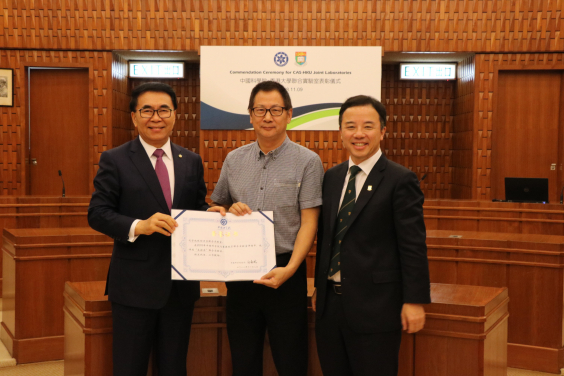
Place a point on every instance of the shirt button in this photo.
(261, 188)
(264, 167)
(258, 209)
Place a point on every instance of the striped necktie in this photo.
(342, 221)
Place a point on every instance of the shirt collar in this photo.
(367, 165)
(273, 153)
(150, 149)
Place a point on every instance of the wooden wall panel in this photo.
(500, 31)
(462, 137)
(397, 25)
(419, 128)
(483, 113)
(13, 122)
(123, 129)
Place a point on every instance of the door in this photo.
(526, 133)
(58, 131)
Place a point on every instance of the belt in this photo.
(336, 287)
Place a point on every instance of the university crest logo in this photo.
(301, 58)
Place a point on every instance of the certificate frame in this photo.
(6, 87)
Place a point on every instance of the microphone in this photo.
(61, 175)
(562, 196)
(423, 178)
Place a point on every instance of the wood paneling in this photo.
(501, 32)
(462, 134)
(123, 129)
(426, 25)
(419, 128)
(486, 66)
(465, 334)
(37, 263)
(527, 121)
(13, 120)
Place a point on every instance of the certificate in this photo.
(209, 247)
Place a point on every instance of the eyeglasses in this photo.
(163, 113)
(274, 111)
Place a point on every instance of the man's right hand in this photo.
(158, 222)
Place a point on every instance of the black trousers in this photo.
(252, 309)
(343, 352)
(137, 330)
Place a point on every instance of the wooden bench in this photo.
(465, 334)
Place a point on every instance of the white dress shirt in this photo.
(167, 159)
(365, 168)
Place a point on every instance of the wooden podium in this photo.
(36, 264)
(465, 334)
(531, 266)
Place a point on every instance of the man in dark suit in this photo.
(137, 184)
(372, 274)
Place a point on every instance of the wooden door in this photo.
(58, 112)
(526, 131)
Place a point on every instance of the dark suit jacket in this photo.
(127, 188)
(383, 254)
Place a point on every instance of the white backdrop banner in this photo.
(319, 80)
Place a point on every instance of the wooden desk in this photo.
(37, 262)
(466, 334)
(531, 266)
(42, 212)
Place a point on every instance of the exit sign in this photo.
(427, 71)
(154, 69)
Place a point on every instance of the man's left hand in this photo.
(275, 278)
(412, 317)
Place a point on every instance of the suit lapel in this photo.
(335, 193)
(180, 161)
(141, 160)
(374, 179)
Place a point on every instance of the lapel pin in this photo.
(369, 187)
(179, 155)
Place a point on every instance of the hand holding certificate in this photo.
(209, 247)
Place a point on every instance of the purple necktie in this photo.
(162, 174)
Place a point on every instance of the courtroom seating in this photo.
(465, 324)
(508, 217)
(42, 212)
(531, 266)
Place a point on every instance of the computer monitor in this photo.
(526, 190)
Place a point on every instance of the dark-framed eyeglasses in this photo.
(163, 113)
(274, 111)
